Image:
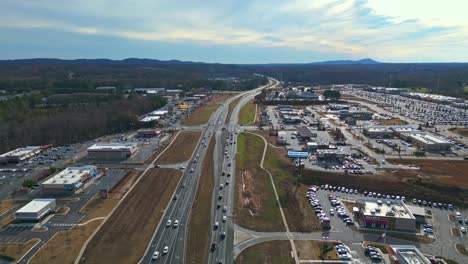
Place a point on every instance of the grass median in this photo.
(181, 150)
(255, 203)
(274, 252)
(198, 229)
(247, 114)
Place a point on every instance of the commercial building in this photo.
(418, 212)
(298, 154)
(405, 254)
(385, 214)
(337, 107)
(304, 133)
(378, 132)
(149, 90)
(112, 150)
(398, 130)
(69, 180)
(20, 154)
(148, 133)
(36, 210)
(106, 88)
(357, 115)
(429, 142)
(335, 155)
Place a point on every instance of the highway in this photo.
(225, 153)
(179, 209)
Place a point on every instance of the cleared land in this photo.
(203, 113)
(150, 159)
(255, 207)
(6, 205)
(247, 113)
(446, 172)
(316, 250)
(65, 246)
(197, 246)
(181, 150)
(101, 207)
(296, 207)
(13, 252)
(271, 252)
(231, 108)
(391, 122)
(124, 236)
(460, 131)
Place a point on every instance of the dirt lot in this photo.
(316, 250)
(460, 131)
(65, 246)
(296, 207)
(6, 205)
(161, 148)
(181, 150)
(101, 207)
(125, 235)
(271, 252)
(231, 107)
(16, 251)
(391, 122)
(197, 245)
(447, 172)
(256, 207)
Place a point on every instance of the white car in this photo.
(176, 223)
(155, 255)
(169, 222)
(224, 218)
(463, 229)
(165, 250)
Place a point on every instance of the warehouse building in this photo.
(20, 154)
(378, 214)
(335, 155)
(357, 115)
(398, 130)
(148, 133)
(69, 180)
(378, 132)
(36, 210)
(304, 133)
(429, 142)
(112, 151)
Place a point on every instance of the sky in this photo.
(236, 31)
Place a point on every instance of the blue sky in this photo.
(228, 31)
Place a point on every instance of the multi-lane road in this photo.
(179, 209)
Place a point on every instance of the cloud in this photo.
(392, 30)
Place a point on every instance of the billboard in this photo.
(298, 154)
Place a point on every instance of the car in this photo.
(224, 218)
(376, 258)
(165, 250)
(155, 255)
(427, 226)
(224, 208)
(157, 166)
(182, 167)
(463, 229)
(216, 225)
(223, 235)
(220, 197)
(169, 222)
(227, 182)
(428, 230)
(175, 197)
(213, 246)
(332, 212)
(176, 223)
(221, 186)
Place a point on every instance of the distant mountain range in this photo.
(341, 62)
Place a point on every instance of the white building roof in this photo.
(21, 151)
(35, 205)
(150, 118)
(397, 209)
(378, 129)
(70, 175)
(112, 146)
(159, 112)
(429, 139)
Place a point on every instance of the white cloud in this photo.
(392, 30)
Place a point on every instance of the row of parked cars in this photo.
(340, 210)
(315, 203)
(373, 254)
(343, 252)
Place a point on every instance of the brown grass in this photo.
(17, 251)
(150, 159)
(8, 220)
(316, 250)
(460, 131)
(197, 245)
(455, 231)
(65, 246)
(446, 172)
(124, 236)
(391, 122)
(231, 108)
(271, 252)
(462, 249)
(181, 150)
(6, 205)
(203, 113)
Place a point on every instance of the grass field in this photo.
(65, 246)
(255, 207)
(123, 238)
(231, 108)
(181, 150)
(316, 250)
(203, 113)
(16, 251)
(271, 252)
(296, 207)
(247, 113)
(391, 122)
(198, 235)
(460, 131)
(150, 159)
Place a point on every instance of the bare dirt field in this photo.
(256, 207)
(101, 207)
(16, 251)
(391, 122)
(124, 236)
(181, 150)
(316, 250)
(447, 172)
(271, 252)
(460, 131)
(197, 245)
(65, 246)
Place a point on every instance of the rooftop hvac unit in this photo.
(65, 181)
